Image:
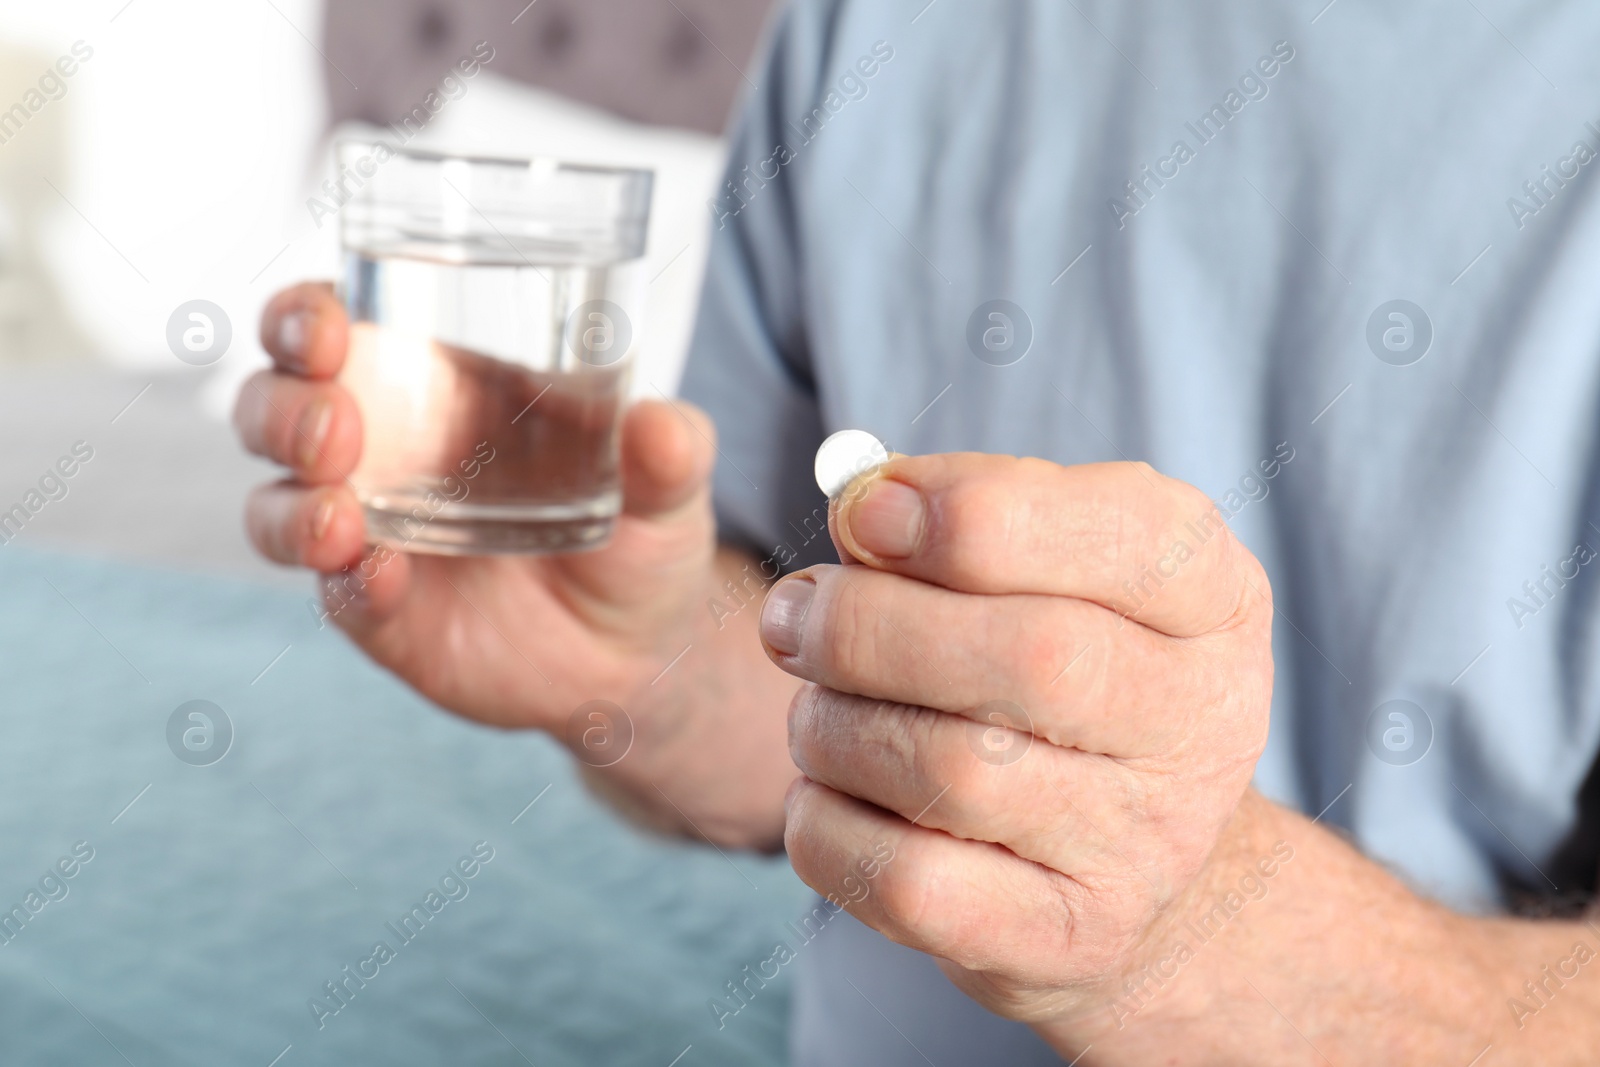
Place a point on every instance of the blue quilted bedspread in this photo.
(233, 913)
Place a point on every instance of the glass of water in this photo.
(491, 340)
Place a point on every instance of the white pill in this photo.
(844, 457)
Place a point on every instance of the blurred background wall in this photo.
(663, 62)
(169, 168)
(177, 161)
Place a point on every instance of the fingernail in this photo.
(313, 431)
(888, 520)
(293, 332)
(322, 518)
(784, 612)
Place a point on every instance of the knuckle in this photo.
(850, 628)
(264, 423)
(1005, 512)
(274, 311)
(978, 512)
(261, 521)
(1187, 500)
(248, 407)
(1002, 995)
(1211, 682)
(801, 832)
(1161, 502)
(969, 790)
(1257, 584)
(905, 898)
(1042, 651)
(805, 726)
(1128, 796)
(794, 837)
(976, 796)
(1186, 508)
(281, 432)
(1067, 903)
(1244, 591)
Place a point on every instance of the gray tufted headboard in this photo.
(671, 62)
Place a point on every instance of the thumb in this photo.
(668, 448)
(858, 488)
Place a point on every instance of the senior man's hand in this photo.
(1046, 689)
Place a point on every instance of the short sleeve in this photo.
(749, 363)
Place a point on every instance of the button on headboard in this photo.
(672, 62)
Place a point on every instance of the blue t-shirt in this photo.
(1338, 266)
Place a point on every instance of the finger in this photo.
(1085, 677)
(971, 902)
(321, 528)
(985, 782)
(313, 428)
(367, 598)
(305, 330)
(1119, 534)
(667, 452)
(837, 504)
(666, 534)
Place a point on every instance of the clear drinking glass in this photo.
(491, 343)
